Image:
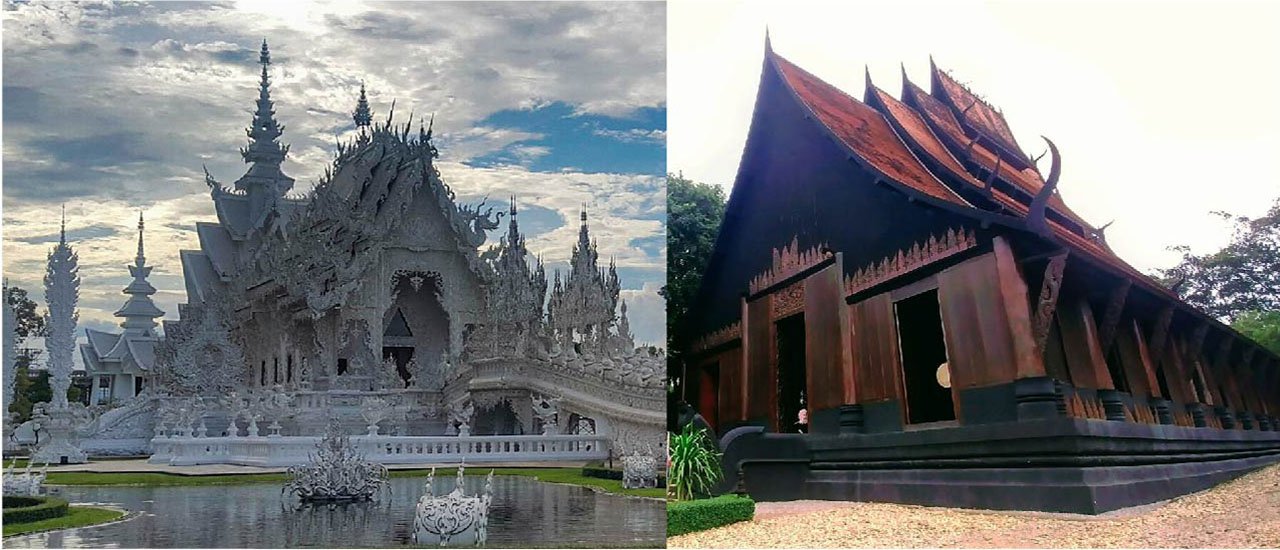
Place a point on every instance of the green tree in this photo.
(694, 213)
(29, 321)
(1244, 276)
(1262, 327)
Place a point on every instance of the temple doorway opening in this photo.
(926, 375)
(415, 327)
(791, 373)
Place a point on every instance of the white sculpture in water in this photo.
(336, 472)
(453, 519)
(639, 471)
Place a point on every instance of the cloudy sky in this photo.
(1163, 111)
(113, 108)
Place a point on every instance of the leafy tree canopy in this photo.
(1261, 326)
(694, 213)
(30, 323)
(1242, 277)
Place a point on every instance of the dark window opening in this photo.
(791, 374)
(275, 370)
(1115, 366)
(288, 366)
(137, 385)
(342, 366)
(262, 375)
(401, 355)
(924, 358)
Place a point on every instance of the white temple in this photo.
(370, 301)
(118, 363)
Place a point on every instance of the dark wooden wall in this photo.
(828, 360)
(877, 363)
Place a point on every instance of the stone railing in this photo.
(279, 451)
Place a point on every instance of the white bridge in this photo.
(280, 451)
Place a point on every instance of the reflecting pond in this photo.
(524, 513)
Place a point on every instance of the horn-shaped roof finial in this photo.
(1036, 215)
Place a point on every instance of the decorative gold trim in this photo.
(787, 262)
(951, 243)
(787, 301)
(718, 337)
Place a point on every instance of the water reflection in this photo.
(524, 513)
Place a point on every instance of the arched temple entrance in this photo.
(415, 328)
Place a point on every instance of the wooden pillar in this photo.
(1147, 362)
(760, 381)
(1014, 298)
(1080, 340)
(826, 333)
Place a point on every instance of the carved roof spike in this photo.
(991, 178)
(1036, 214)
(362, 115)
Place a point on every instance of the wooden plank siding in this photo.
(760, 382)
(1016, 302)
(1133, 358)
(980, 347)
(732, 376)
(873, 334)
(1080, 337)
(826, 339)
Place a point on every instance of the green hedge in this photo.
(702, 514)
(28, 509)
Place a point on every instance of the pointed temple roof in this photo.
(132, 351)
(976, 113)
(892, 137)
(362, 116)
(139, 311)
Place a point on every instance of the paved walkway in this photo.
(141, 465)
(1244, 513)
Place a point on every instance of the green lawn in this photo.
(571, 476)
(77, 516)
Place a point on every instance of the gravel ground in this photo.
(1244, 513)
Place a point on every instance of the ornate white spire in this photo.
(264, 181)
(587, 302)
(139, 312)
(61, 292)
(362, 115)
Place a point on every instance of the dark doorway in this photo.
(709, 394)
(401, 356)
(791, 373)
(1115, 366)
(924, 351)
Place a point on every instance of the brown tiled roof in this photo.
(1028, 180)
(981, 116)
(925, 139)
(864, 131)
(920, 134)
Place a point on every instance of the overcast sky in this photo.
(114, 108)
(1163, 111)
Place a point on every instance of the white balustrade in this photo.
(291, 450)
